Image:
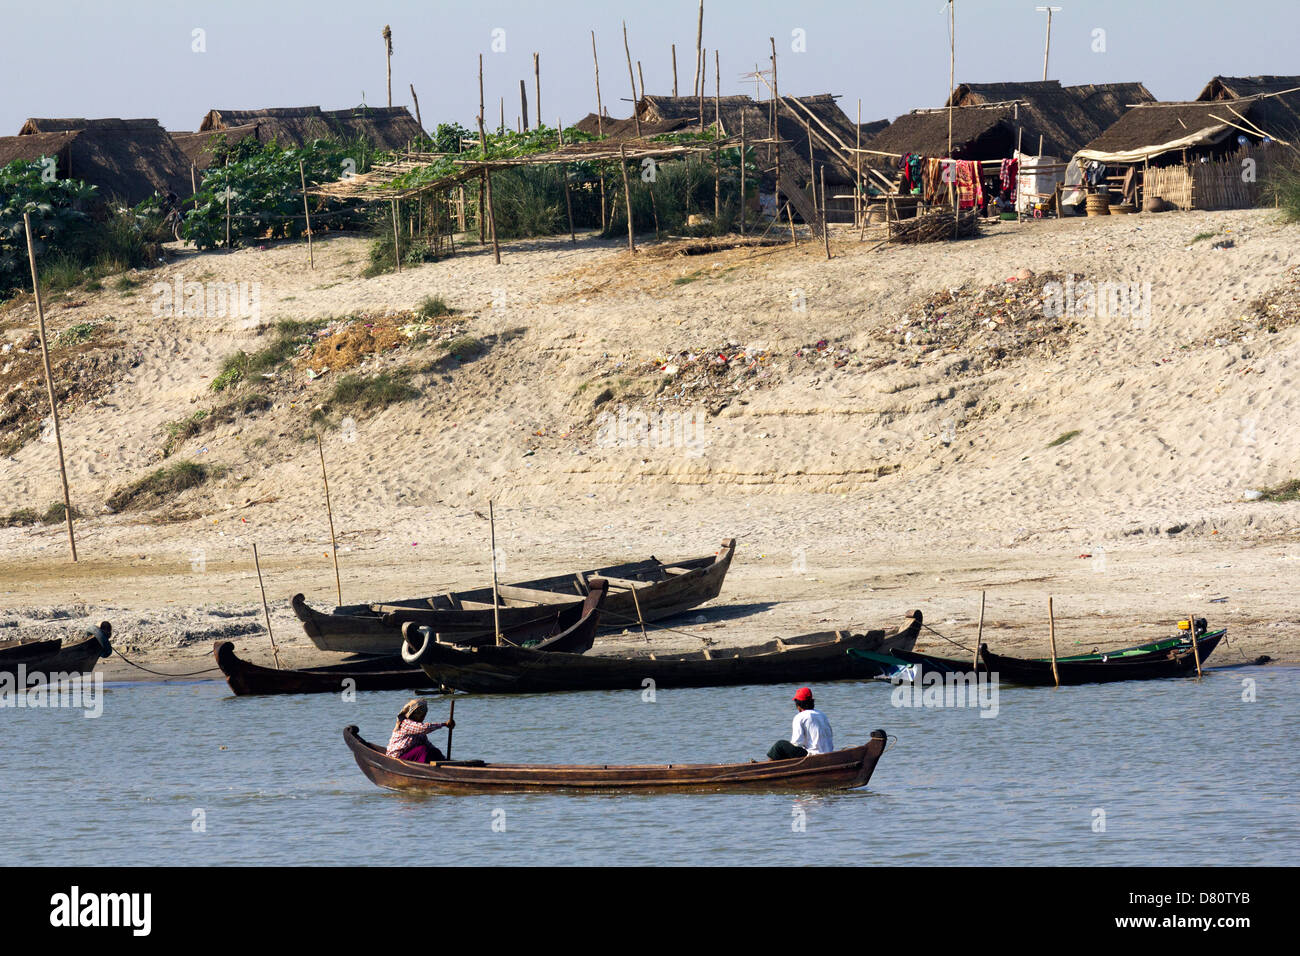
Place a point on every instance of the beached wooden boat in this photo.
(377, 673)
(840, 769)
(1173, 663)
(528, 611)
(508, 670)
(900, 664)
(55, 656)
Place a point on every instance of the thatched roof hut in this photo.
(128, 159)
(986, 121)
(387, 127)
(197, 147)
(1283, 91)
(286, 126)
(1166, 132)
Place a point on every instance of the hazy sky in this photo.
(134, 58)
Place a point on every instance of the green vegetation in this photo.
(463, 346)
(79, 238)
(265, 191)
(161, 485)
(77, 334)
(54, 514)
(433, 307)
(1063, 438)
(1286, 491)
(373, 392)
(290, 336)
(206, 419)
(1285, 187)
(1203, 235)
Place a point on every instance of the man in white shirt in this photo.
(811, 733)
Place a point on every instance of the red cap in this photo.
(803, 693)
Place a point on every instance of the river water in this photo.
(1141, 773)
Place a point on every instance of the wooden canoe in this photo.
(380, 673)
(528, 611)
(55, 656)
(1174, 663)
(508, 670)
(840, 769)
(898, 663)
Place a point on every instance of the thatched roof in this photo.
(1239, 87)
(129, 159)
(871, 129)
(978, 132)
(387, 127)
(197, 146)
(286, 126)
(1154, 129)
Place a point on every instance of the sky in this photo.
(143, 58)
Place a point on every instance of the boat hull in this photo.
(841, 769)
(504, 670)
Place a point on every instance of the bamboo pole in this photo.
(790, 216)
(265, 607)
(451, 721)
(311, 256)
(416, 100)
(699, 40)
(600, 132)
(1051, 631)
(568, 203)
(537, 85)
(227, 201)
(640, 75)
(496, 601)
(482, 144)
(674, 71)
(979, 635)
(742, 172)
(717, 131)
(523, 106)
(636, 114)
(857, 186)
(49, 381)
(826, 226)
(627, 195)
(194, 185)
(388, 47)
(1196, 650)
(704, 76)
(329, 511)
(639, 619)
(492, 218)
(397, 245)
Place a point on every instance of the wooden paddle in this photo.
(450, 730)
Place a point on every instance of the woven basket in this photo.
(1098, 204)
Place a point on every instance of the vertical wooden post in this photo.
(674, 71)
(640, 75)
(636, 114)
(790, 216)
(492, 218)
(496, 601)
(826, 223)
(600, 130)
(329, 511)
(311, 255)
(265, 607)
(388, 47)
(699, 39)
(227, 201)
(742, 171)
(523, 106)
(397, 245)
(194, 185)
(537, 85)
(49, 381)
(639, 619)
(627, 195)
(979, 635)
(416, 100)
(482, 142)
(704, 76)
(717, 131)
(858, 196)
(1051, 631)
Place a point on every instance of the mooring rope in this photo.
(206, 670)
(948, 639)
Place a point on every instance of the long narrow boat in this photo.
(901, 664)
(1175, 663)
(508, 670)
(840, 769)
(380, 673)
(56, 656)
(647, 590)
(13, 653)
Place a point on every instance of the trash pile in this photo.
(346, 343)
(713, 376)
(1003, 321)
(1276, 309)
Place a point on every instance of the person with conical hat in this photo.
(811, 733)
